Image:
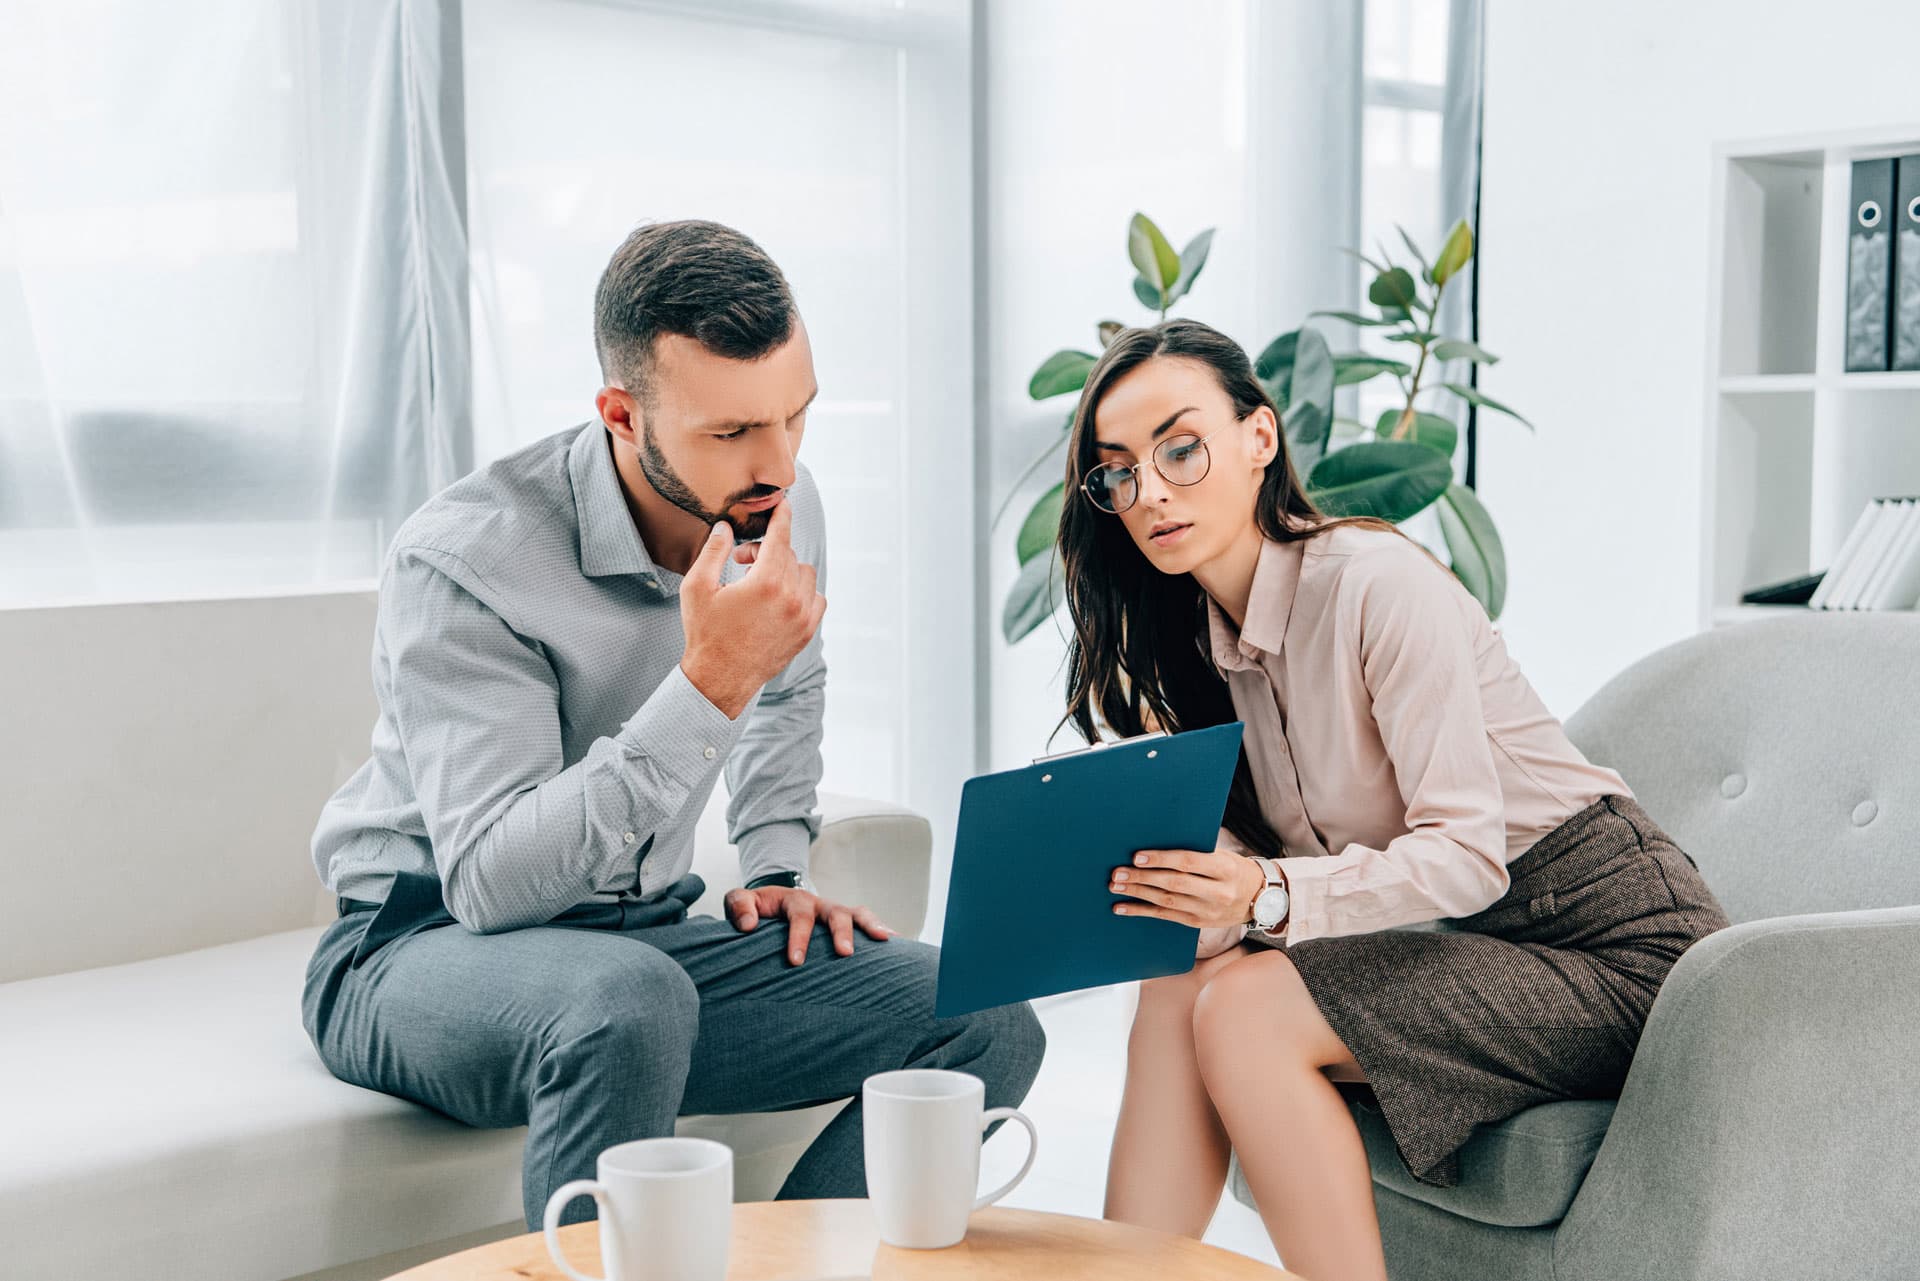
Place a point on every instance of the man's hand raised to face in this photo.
(740, 636)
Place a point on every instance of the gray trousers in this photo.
(613, 1019)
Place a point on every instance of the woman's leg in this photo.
(1169, 1160)
(1268, 1058)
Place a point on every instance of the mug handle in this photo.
(1033, 1150)
(558, 1202)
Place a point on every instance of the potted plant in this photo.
(1396, 467)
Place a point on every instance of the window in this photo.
(1403, 105)
(829, 137)
(272, 272)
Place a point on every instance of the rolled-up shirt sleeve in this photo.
(1418, 665)
(518, 835)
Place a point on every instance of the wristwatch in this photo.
(784, 880)
(1270, 904)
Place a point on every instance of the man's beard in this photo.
(667, 483)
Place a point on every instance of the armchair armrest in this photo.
(869, 852)
(1770, 1125)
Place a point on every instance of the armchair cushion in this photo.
(1521, 1173)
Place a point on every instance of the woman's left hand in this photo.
(1204, 889)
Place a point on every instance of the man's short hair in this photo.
(700, 280)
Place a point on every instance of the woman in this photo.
(1397, 769)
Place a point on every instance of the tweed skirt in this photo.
(1539, 998)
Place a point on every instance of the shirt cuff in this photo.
(1307, 916)
(774, 847)
(680, 731)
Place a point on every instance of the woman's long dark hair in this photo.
(1140, 643)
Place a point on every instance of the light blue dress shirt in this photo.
(538, 745)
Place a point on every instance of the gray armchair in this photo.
(1770, 1125)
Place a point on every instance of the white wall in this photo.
(1594, 285)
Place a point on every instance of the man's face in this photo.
(717, 437)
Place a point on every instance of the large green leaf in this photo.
(1311, 381)
(1479, 561)
(1060, 373)
(1412, 335)
(1358, 367)
(1276, 359)
(1454, 254)
(1152, 256)
(1393, 287)
(1192, 259)
(1307, 428)
(1432, 430)
(1035, 595)
(1042, 525)
(1472, 396)
(1391, 479)
(1461, 349)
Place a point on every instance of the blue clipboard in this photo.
(1028, 909)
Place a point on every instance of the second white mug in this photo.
(666, 1211)
(923, 1134)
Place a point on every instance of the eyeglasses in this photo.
(1181, 460)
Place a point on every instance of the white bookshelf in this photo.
(1794, 445)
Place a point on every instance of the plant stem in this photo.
(1399, 428)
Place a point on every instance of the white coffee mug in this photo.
(666, 1211)
(924, 1131)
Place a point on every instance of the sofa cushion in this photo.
(170, 1118)
(1521, 1173)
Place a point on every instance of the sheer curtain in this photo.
(274, 271)
(231, 345)
(836, 135)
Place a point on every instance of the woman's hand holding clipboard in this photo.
(1030, 908)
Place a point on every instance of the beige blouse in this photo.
(1395, 746)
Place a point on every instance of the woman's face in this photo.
(1178, 527)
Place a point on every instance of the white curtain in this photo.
(244, 311)
(232, 295)
(835, 134)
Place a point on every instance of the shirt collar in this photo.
(1276, 575)
(609, 540)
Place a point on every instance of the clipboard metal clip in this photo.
(1101, 746)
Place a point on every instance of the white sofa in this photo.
(162, 1114)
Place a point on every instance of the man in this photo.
(572, 644)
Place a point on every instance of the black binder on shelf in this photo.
(1906, 264)
(1869, 264)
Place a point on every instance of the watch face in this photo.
(1270, 906)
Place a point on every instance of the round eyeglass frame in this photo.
(1086, 482)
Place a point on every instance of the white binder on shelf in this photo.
(1899, 523)
(1900, 588)
(1847, 570)
(1827, 590)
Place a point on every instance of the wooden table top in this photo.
(815, 1240)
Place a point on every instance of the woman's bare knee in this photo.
(1173, 996)
(1263, 997)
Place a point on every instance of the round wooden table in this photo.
(816, 1240)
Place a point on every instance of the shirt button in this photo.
(708, 753)
(628, 838)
